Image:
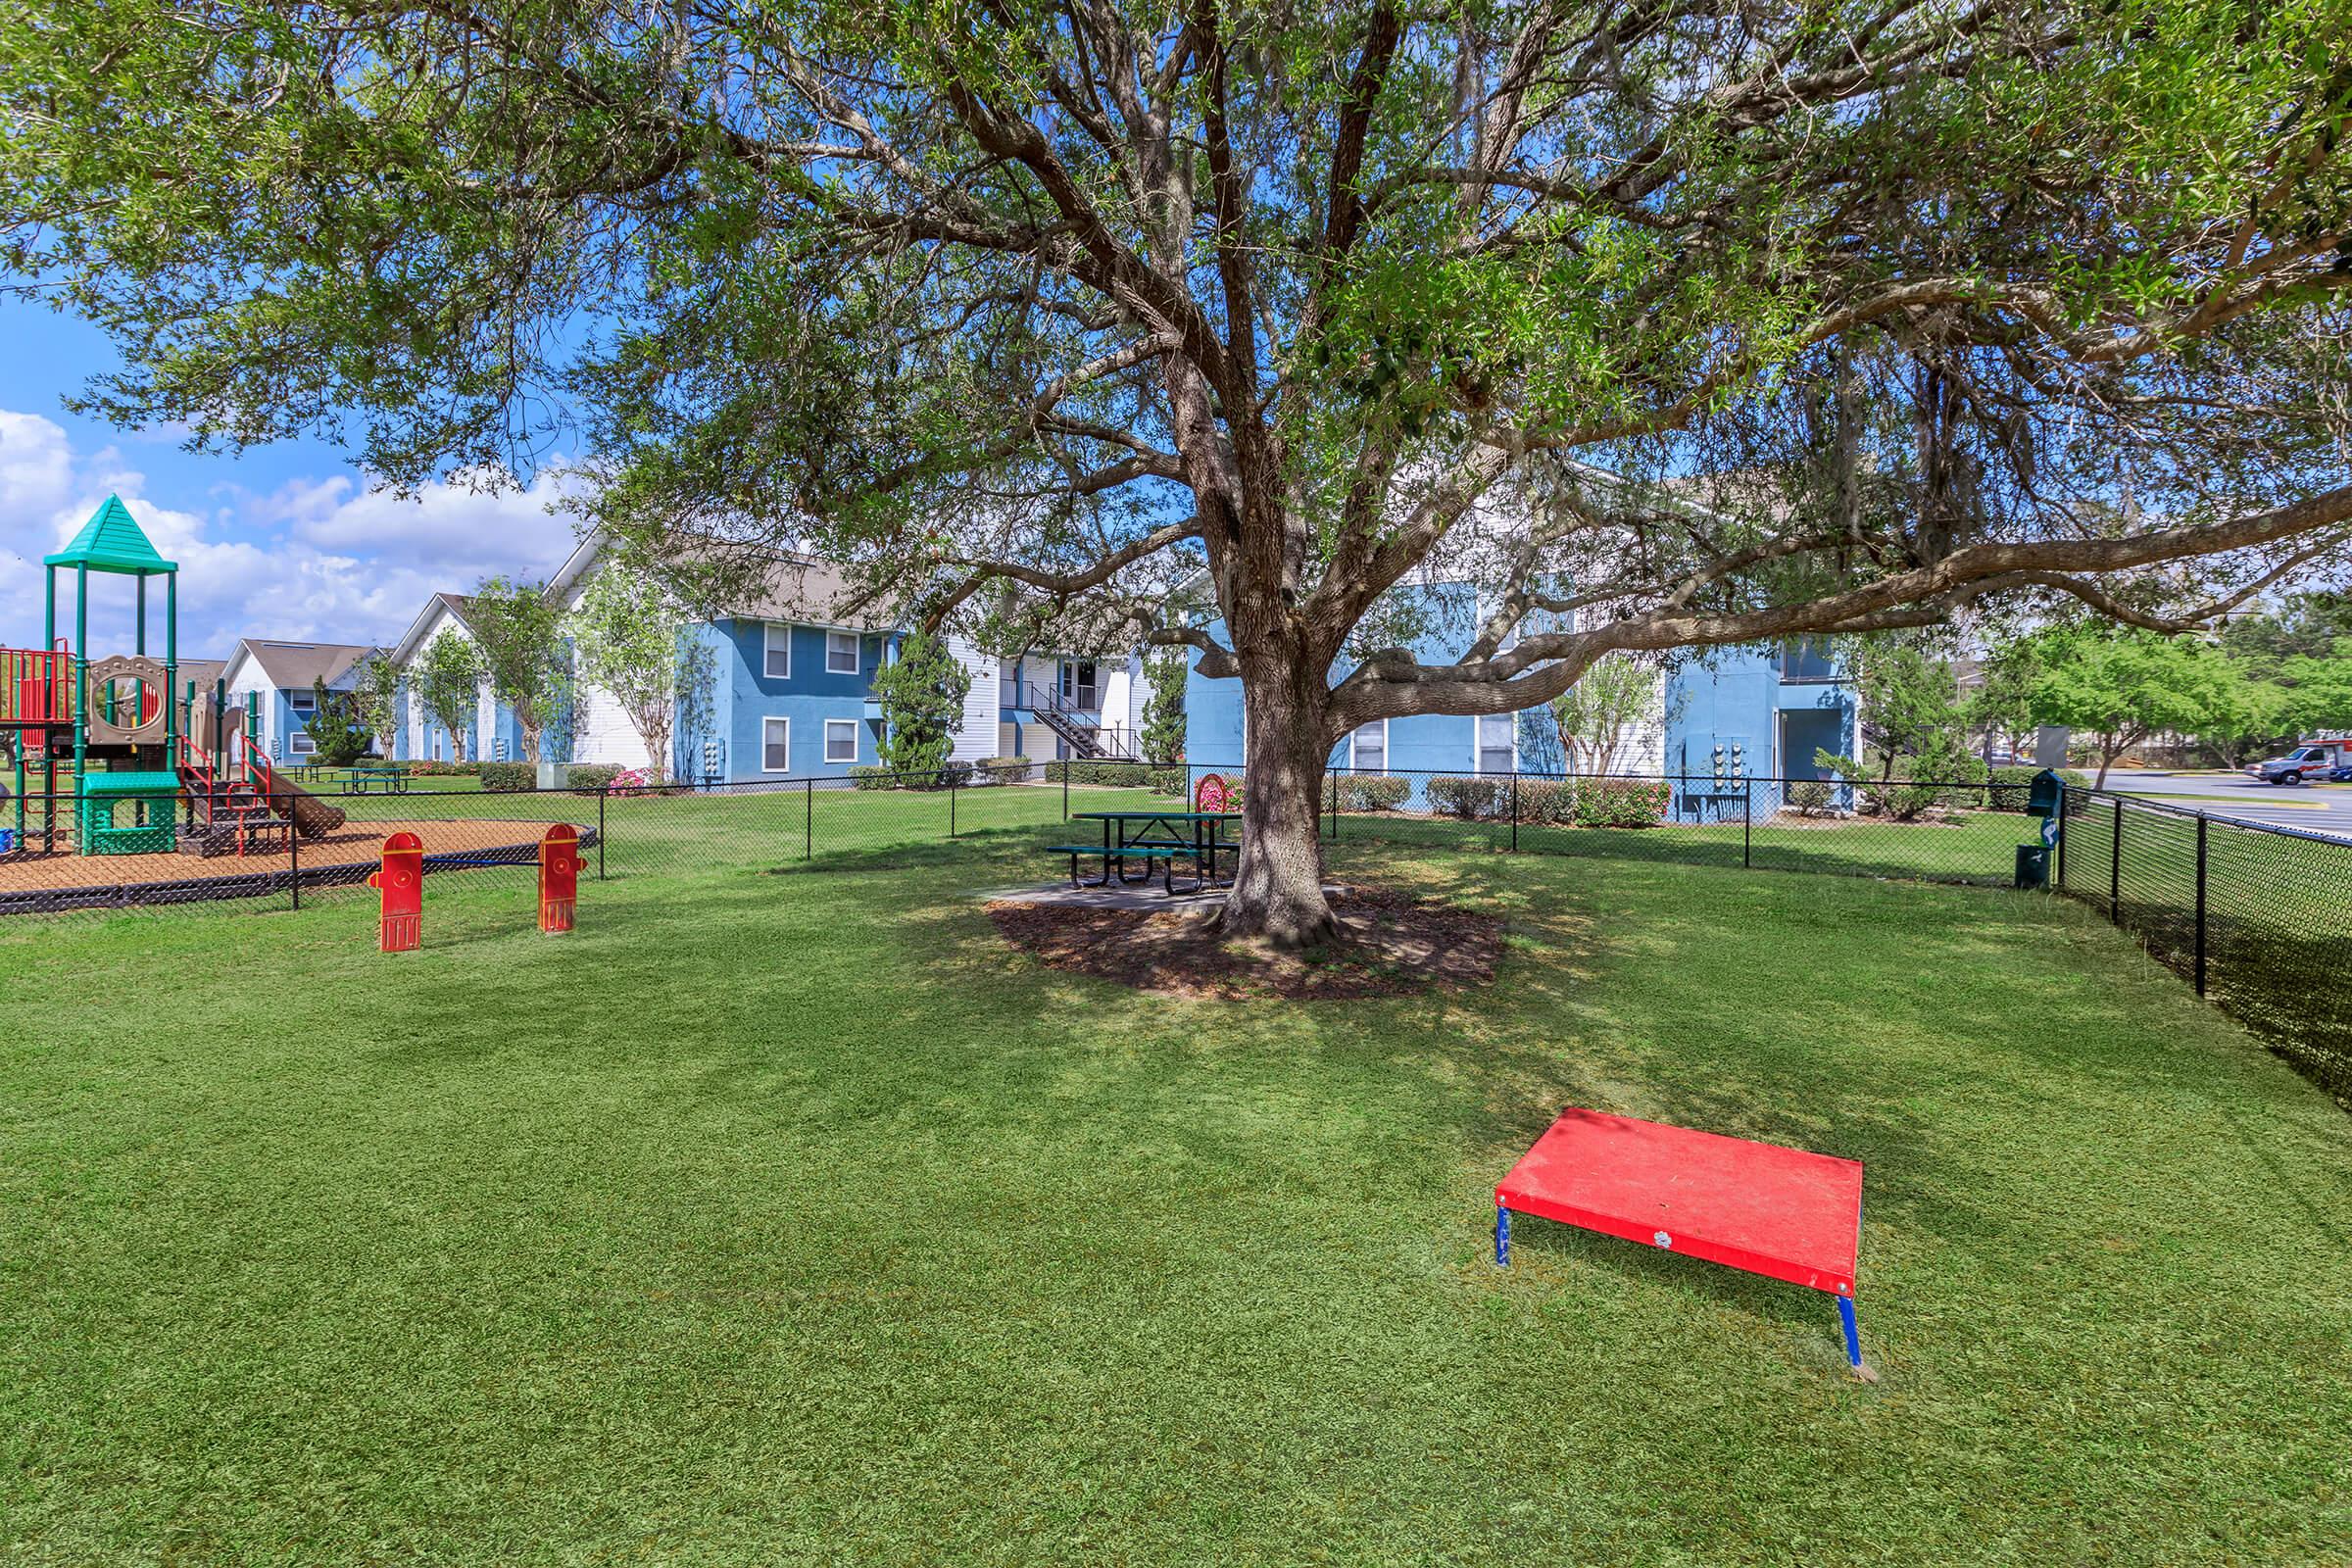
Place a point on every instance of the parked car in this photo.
(2326, 760)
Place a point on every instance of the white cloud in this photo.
(318, 559)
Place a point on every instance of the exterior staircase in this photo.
(1077, 727)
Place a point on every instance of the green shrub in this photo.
(1467, 798)
(1622, 802)
(867, 777)
(1116, 775)
(1807, 796)
(1372, 793)
(591, 775)
(1168, 781)
(508, 776)
(1546, 801)
(426, 769)
(1001, 770)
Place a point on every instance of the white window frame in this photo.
(1478, 745)
(857, 655)
(300, 744)
(769, 648)
(768, 723)
(1353, 765)
(848, 725)
(302, 700)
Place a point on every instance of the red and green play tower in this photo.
(118, 712)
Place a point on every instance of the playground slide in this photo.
(312, 818)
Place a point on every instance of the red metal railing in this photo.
(36, 686)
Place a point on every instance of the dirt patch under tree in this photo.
(1391, 943)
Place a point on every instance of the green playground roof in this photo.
(104, 784)
(110, 541)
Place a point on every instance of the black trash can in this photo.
(2032, 865)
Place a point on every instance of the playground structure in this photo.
(134, 774)
(148, 769)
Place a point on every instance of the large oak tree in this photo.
(1674, 324)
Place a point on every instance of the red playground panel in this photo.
(1772, 1210)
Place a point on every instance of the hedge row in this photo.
(1552, 802)
(512, 778)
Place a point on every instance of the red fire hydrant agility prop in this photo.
(558, 877)
(401, 882)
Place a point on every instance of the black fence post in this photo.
(808, 819)
(294, 855)
(1065, 789)
(1747, 823)
(2200, 904)
(1514, 810)
(602, 791)
(951, 805)
(2062, 810)
(2115, 867)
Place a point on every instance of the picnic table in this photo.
(1153, 837)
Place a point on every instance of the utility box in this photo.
(2032, 865)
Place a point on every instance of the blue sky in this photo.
(284, 541)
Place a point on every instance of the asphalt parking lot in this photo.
(2312, 807)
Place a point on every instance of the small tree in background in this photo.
(2121, 687)
(1910, 705)
(921, 692)
(1164, 716)
(1599, 714)
(629, 635)
(375, 696)
(521, 636)
(447, 679)
(340, 734)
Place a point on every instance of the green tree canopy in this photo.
(921, 692)
(629, 636)
(1908, 698)
(446, 678)
(520, 632)
(1164, 732)
(2318, 692)
(1032, 312)
(2121, 687)
(340, 731)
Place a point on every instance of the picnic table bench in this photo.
(1153, 838)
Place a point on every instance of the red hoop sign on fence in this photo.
(1212, 794)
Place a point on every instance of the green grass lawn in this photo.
(784, 1216)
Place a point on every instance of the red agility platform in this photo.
(1781, 1212)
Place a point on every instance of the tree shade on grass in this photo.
(789, 1217)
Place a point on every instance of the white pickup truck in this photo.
(2313, 759)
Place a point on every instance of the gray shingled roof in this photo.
(295, 666)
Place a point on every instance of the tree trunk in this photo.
(1277, 892)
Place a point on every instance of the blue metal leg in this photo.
(1853, 1334)
(1503, 1237)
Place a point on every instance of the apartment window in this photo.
(1806, 659)
(840, 740)
(1372, 748)
(776, 662)
(300, 744)
(300, 700)
(841, 653)
(1497, 751)
(776, 745)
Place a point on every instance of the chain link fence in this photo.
(2260, 920)
(2257, 918)
(66, 855)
